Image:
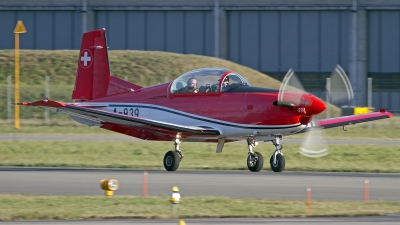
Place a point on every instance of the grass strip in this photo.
(32, 207)
(149, 155)
(62, 125)
(138, 66)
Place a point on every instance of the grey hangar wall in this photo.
(270, 36)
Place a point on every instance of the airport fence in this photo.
(30, 93)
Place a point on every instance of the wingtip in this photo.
(390, 115)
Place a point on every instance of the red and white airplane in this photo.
(215, 112)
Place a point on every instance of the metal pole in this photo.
(328, 91)
(9, 99)
(47, 111)
(369, 98)
(362, 43)
(353, 52)
(309, 212)
(369, 92)
(84, 16)
(19, 29)
(216, 28)
(145, 182)
(366, 190)
(16, 88)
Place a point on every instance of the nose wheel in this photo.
(279, 165)
(277, 160)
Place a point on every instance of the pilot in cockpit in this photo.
(225, 84)
(191, 86)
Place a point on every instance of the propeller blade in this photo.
(290, 83)
(340, 90)
(314, 145)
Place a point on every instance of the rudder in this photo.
(93, 73)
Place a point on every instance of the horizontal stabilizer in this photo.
(119, 86)
(43, 103)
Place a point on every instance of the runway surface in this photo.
(382, 220)
(241, 184)
(125, 138)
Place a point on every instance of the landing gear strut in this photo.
(277, 160)
(172, 159)
(255, 160)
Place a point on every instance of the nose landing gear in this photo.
(277, 160)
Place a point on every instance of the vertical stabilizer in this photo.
(93, 73)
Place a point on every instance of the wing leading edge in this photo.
(348, 120)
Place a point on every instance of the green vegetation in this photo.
(149, 155)
(141, 67)
(14, 207)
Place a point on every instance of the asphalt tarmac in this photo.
(241, 184)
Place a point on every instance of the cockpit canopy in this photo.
(207, 80)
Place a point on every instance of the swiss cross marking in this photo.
(85, 59)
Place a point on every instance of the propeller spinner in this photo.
(292, 95)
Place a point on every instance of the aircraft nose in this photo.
(314, 105)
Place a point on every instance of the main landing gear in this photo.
(255, 160)
(172, 159)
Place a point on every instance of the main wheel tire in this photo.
(280, 163)
(255, 165)
(171, 161)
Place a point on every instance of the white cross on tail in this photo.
(86, 59)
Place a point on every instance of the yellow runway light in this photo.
(175, 195)
(175, 199)
(109, 186)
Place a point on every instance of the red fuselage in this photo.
(255, 108)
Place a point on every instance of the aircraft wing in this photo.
(106, 117)
(348, 120)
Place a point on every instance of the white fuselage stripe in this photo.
(227, 129)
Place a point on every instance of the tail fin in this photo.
(93, 73)
(93, 77)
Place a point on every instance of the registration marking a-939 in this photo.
(128, 111)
